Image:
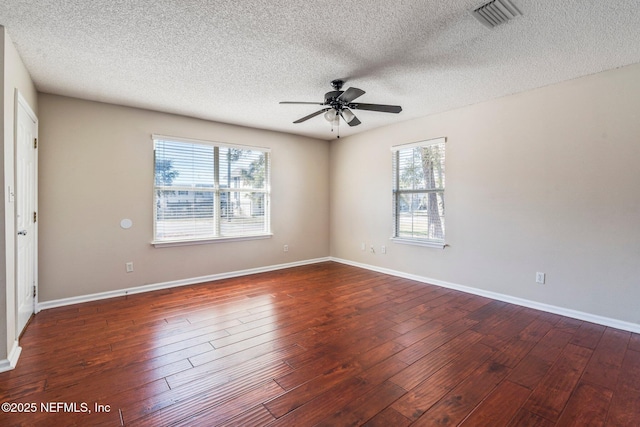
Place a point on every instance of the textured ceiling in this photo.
(233, 61)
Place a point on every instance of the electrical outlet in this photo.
(129, 267)
(286, 248)
(362, 246)
(540, 278)
(383, 249)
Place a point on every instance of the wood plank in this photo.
(625, 409)
(388, 417)
(551, 395)
(207, 415)
(588, 335)
(422, 397)
(435, 340)
(256, 416)
(298, 396)
(530, 371)
(364, 407)
(536, 330)
(426, 366)
(459, 402)
(207, 389)
(525, 418)
(364, 352)
(512, 352)
(315, 410)
(505, 323)
(379, 353)
(569, 325)
(427, 329)
(324, 363)
(551, 345)
(587, 407)
(499, 407)
(487, 310)
(625, 403)
(604, 367)
(382, 371)
(13, 390)
(121, 380)
(225, 364)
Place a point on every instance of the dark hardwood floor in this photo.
(325, 344)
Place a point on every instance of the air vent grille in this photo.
(496, 12)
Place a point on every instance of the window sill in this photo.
(437, 245)
(170, 243)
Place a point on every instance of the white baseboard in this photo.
(575, 314)
(12, 359)
(172, 284)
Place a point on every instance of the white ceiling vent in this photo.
(496, 12)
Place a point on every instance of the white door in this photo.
(25, 199)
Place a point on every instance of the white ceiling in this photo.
(233, 60)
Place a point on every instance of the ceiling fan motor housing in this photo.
(331, 98)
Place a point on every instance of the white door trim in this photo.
(21, 102)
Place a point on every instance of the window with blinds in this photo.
(205, 191)
(418, 192)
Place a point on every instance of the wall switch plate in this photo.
(362, 247)
(383, 249)
(286, 248)
(129, 267)
(540, 278)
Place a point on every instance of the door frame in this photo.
(20, 101)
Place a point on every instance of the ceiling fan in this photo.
(338, 103)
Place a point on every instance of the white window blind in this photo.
(205, 191)
(418, 192)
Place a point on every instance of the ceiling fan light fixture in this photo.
(331, 115)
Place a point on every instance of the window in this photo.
(418, 192)
(204, 191)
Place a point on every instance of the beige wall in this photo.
(96, 168)
(547, 180)
(14, 76)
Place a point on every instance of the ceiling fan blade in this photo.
(351, 94)
(377, 107)
(349, 118)
(354, 122)
(305, 118)
(296, 102)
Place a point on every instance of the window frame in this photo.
(397, 193)
(216, 190)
